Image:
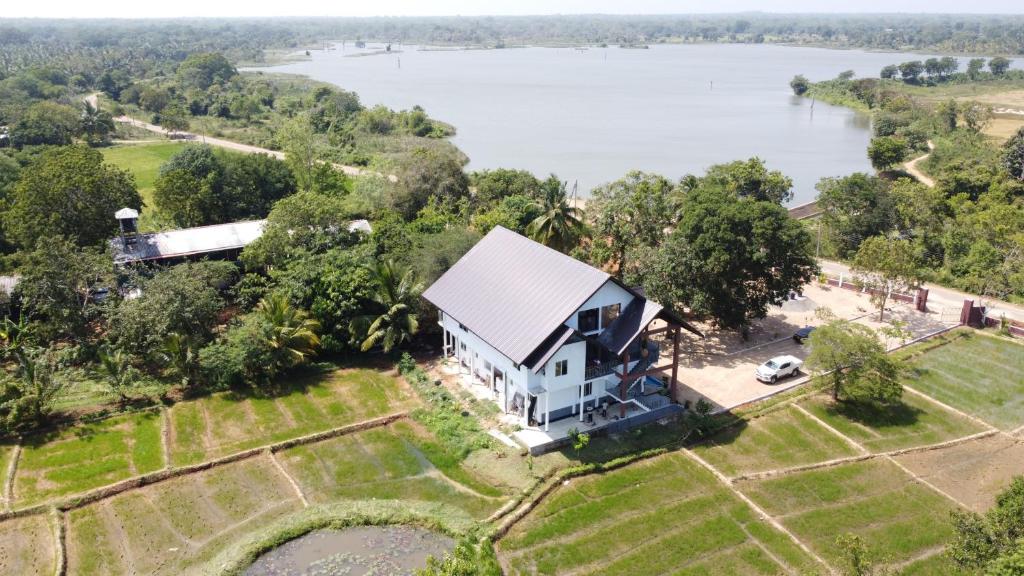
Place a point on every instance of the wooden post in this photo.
(622, 383)
(675, 365)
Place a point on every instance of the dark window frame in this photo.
(586, 314)
(605, 320)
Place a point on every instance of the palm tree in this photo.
(117, 370)
(180, 352)
(14, 336)
(397, 292)
(559, 226)
(38, 387)
(293, 334)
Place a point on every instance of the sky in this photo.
(219, 8)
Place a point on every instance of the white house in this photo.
(549, 334)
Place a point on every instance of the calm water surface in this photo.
(592, 115)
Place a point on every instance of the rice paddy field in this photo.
(223, 424)
(27, 546)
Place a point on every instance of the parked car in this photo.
(802, 334)
(777, 368)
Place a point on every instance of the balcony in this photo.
(595, 371)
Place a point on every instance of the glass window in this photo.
(587, 320)
(561, 368)
(609, 313)
(588, 389)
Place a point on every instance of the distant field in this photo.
(663, 516)
(1003, 127)
(222, 424)
(172, 526)
(898, 518)
(781, 439)
(88, 456)
(979, 374)
(913, 422)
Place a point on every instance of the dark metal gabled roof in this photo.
(513, 292)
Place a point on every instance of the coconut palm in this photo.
(559, 226)
(397, 292)
(180, 352)
(38, 387)
(118, 372)
(293, 334)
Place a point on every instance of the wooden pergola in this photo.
(673, 329)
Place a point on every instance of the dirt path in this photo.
(912, 169)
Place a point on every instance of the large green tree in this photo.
(853, 361)
(992, 541)
(204, 69)
(69, 192)
(396, 293)
(751, 179)
(1013, 155)
(635, 211)
(294, 337)
(854, 208)
(884, 265)
(559, 224)
(728, 258)
(425, 174)
(493, 186)
(886, 151)
(45, 123)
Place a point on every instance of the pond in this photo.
(591, 115)
(357, 551)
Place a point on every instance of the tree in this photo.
(559, 225)
(57, 286)
(467, 559)
(885, 151)
(96, 125)
(911, 71)
(396, 292)
(28, 400)
(252, 183)
(854, 361)
(799, 84)
(728, 258)
(204, 69)
(855, 207)
(293, 335)
(118, 373)
(975, 67)
(69, 192)
(493, 186)
(889, 72)
(948, 112)
(884, 265)
(174, 118)
(45, 123)
(1013, 155)
(180, 352)
(999, 65)
(631, 212)
(241, 356)
(189, 187)
(991, 541)
(425, 174)
(301, 150)
(751, 179)
(855, 557)
(976, 115)
(932, 67)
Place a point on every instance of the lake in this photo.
(592, 115)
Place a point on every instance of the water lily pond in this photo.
(358, 551)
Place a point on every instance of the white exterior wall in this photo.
(565, 390)
(610, 293)
(516, 377)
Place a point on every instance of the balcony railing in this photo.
(594, 371)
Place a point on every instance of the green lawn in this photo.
(662, 516)
(87, 456)
(979, 374)
(27, 546)
(781, 439)
(143, 161)
(897, 518)
(169, 527)
(398, 462)
(914, 422)
(223, 424)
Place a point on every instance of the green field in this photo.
(913, 422)
(899, 519)
(87, 457)
(143, 161)
(781, 439)
(663, 516)
(172, 526)
(223, 424)
(399, 462)
(978, 374)
(27, 546)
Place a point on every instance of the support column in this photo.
(444, 345)
(581, 402)
(675, 365)
(622, 383)
(547, 409)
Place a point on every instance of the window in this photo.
(609, 313)
(588, 389)
(587, 320)
(561, 368)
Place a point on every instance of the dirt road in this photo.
(912, 169)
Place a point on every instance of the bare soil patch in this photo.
(27, 546)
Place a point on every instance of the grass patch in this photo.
(915, 421)
(896, 517)
(388, 463)
(226, 423)
(27, 546)
(144, 162)
(169, 527)
(979, 374)
(781, 439)
(666, 515)
(88, 456)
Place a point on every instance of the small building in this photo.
(224, 241)
(553, 338)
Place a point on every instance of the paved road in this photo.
(940, 296)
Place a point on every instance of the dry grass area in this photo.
(174, 526)
(27, 546)
(1005, 126)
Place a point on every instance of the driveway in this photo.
(720, 368)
